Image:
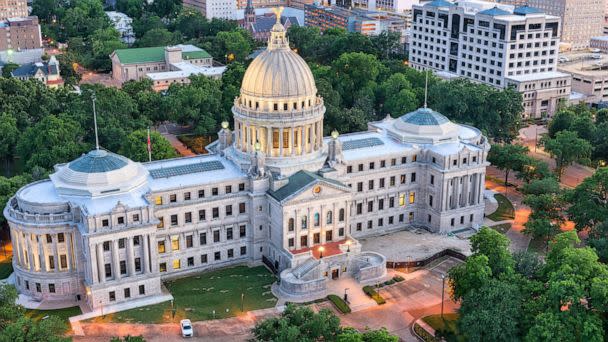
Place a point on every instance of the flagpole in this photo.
(94, 98)
(149, 146)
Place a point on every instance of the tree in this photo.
(103, 43)
(562, 121)
(53, 140)
(197, 104)
(233, 45)
(299, 323)
(9, 136)
(528, 264)
(495, 246)
(158, 37)
(547, 185)
(589, 201)
(507, 157)
(135, 146)
(8, 68)
(132, 8)
(470, 276)
(398, 95)
(492, 312)
(355, 71)
(567, 148)
(380, 335)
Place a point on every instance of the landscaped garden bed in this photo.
(505, 210)
(374, 295)
(339, 303)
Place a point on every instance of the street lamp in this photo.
(321, 249)
(242, 297)
(345, 295)
(348, 243)
(442, 292)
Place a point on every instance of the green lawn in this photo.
(64, 314)
(6, 268)
(447, 325)
(197, 296)
(502, 228)
(504, 211)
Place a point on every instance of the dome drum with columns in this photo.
(279, 107)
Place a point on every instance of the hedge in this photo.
(424, 334)
(398, 278)
(374, 295)
(339, 303)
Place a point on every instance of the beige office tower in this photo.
(13, 9)
(581, 19)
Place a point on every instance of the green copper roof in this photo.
(299, 181)
(154, 54)
(97, 161)
(424, 117)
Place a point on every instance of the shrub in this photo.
(339, 303)
(389, 282)
(374, 295)
(398, 278)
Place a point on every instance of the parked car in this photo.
(187, 330)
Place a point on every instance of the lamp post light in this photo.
(442, 292)
(321, 249)
(242, 297)
(346, 295)
(348, 243)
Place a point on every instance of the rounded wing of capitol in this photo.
(278, 106)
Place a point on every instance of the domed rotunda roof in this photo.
(98, 173)
(278, 72)
(425, 125)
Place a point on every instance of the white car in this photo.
(187, 330)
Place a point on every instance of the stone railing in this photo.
(14, 212)
(316, 110)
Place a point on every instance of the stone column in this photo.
(146, 255)
(115, 259)
(482, 177)
(313, 141)
(16, 246)
(42, 255)
(28, 243)
(319, 135)
(300, 147)
(93, 265)
(269, 141)
(281, 142)
(130, 257)
(100, 263)
(292, 141)
(55, 253)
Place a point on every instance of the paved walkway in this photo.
(167, 131)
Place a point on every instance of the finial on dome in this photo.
(426, 88)
(225, 124)
(277, 12)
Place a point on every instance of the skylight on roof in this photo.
(186, 169)
(361, 143)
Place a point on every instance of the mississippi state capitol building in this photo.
(105, 230)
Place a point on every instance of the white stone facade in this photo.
(113, 229)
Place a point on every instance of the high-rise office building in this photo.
(223, 9)
(498, 45)
(13, 9)
(581, 19)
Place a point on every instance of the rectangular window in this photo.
(359, 226)
(217, 256)
(188, 217)
(112, 296)
(123, 267)
(174, 220)
(229, 234)
(360, 187)
(402, 200)
(52, 288)
(105, 223)
(201, 193)
(108, 270)
(175, 243)
(51, 262)
(290, 242)
(177, 264)
(121, 220)
(161, 222)
(304, 241)
(137, 264)
(142, 289)
(381, 185)
(203, 258)
(432, 179)
(243, 250)
(381, 204)
(241, 186)
(230, 253)
(402, 179)
(370, 184)
(228, 189)
(412, 197)
(158, 200)
(215, 213)
(329, 235)
(391, 202)
(127, 292)
(242, 231)
(392, 181)
(214, 192)
(38, 287)
(413, 177)
(229, 210)
(349, 169)
(186, 196)
(189, 241)
(106, 246)
(161, 246)
(121, 243)
(370, 206)
(162, 267)
(63, 260)
(202, 239)
(241, 208)
(135, 217)
(216, 236)
(49, 238)
(430, 200)
(201, 215)
(190, 261)
(173, 198)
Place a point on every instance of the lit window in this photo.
(412, 197)
(175, 243)
(402, 199)
(176, 264)
(159, 200)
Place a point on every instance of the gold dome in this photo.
(278, 72)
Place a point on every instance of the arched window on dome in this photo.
(291, 225)
(330, 217)
(341, 215)
(317, 220)
(285, 106)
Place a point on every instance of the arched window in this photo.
(330, 217)
(341, 215)
(291, 225)
(317, 220)
(304, 222)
